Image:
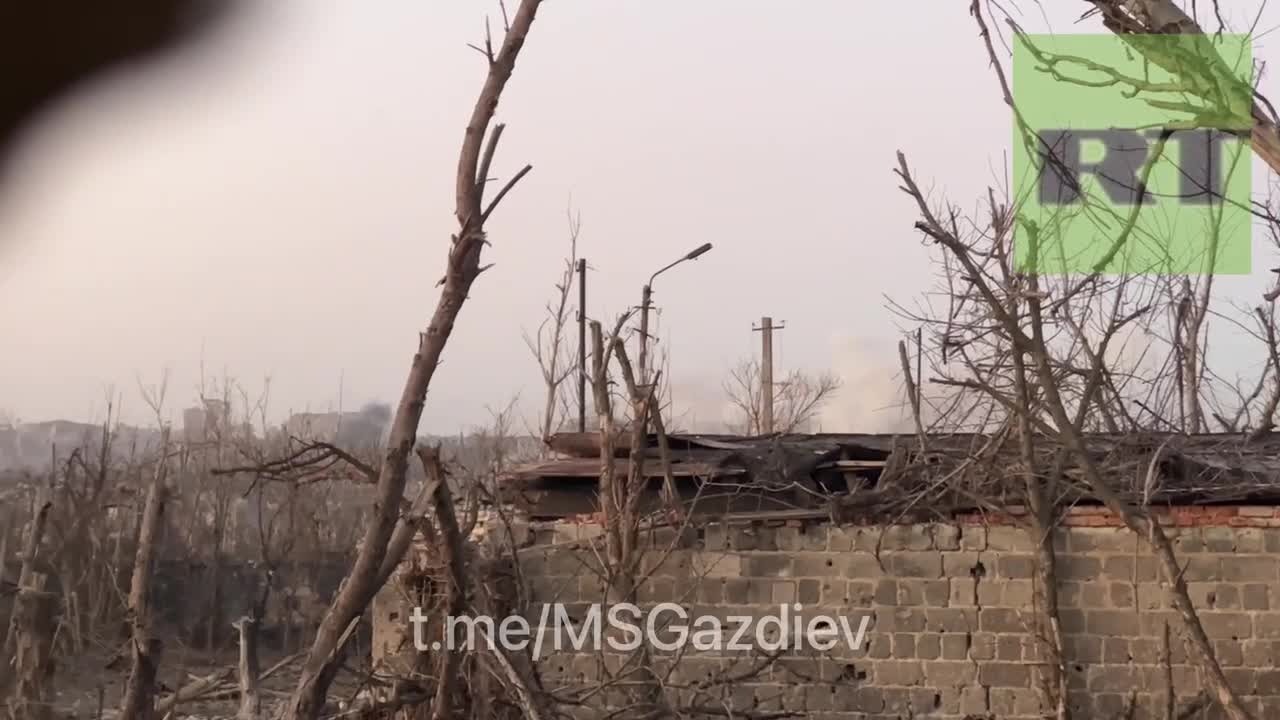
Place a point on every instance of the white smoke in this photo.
(699, 405)
(872, 398)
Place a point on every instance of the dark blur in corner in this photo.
(48, 47)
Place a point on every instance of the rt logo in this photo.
(1197, 155)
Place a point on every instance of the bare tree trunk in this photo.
(450, 536)
(250, 697)
(27, 576)
(913, 394)
(114, 585)
(139, 696)
(1041, 524)
(633, 488)
(643, 402)
(6, 527)
(214, 620)
(1137, 520)
(612, 488)
(407, 529)
(327, 651)
(1048, 620)
(1170, 697)
(669, 492)
(33, 628)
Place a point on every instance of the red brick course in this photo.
(1261, 516)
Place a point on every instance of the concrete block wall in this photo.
(950, 604)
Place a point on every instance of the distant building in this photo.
(356, 430)
(206, 421)
(193, 424)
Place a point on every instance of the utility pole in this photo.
(646, 299)
(766, 372)
(582, 345)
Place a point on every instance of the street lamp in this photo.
(646, 296)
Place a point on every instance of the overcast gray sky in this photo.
(277, 201)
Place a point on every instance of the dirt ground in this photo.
(89, 686)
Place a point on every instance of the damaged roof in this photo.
(874, 474)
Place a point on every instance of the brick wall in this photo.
(950, 606)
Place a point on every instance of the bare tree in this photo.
(797, 399)
(635, 541)
(480, 456)
(1039, 387)
(1037, 362)
(145, 646)
(548, 345)
(463, 267)
(619, 495)
(101, 537)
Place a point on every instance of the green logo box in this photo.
(1132, 154)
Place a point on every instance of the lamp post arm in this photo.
(655, 275)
